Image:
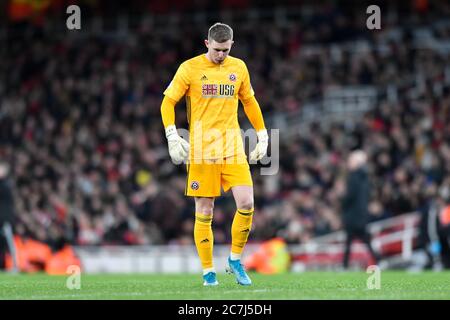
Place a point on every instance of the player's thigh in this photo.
(203, 180)
(236, 174)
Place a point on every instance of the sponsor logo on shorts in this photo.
(195, 185)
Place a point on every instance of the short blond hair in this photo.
(220, 32)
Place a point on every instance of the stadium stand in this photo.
(80, 122)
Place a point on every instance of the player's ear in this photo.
(207, 44)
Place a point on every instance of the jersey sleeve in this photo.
(179, 84)
(254, 114)
(246, 90)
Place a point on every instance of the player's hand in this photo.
(178, 147)
(261, 147)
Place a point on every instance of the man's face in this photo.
(356, 160)
(4, 168)
(217, 52)
(352, 163)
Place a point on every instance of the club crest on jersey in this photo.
(195, 185)
(232, 77)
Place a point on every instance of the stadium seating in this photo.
(80, 123)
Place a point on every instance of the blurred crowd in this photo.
(80, 125)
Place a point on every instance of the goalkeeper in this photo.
(213, 83)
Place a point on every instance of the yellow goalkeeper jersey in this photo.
(212, 95)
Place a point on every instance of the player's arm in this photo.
(178, 147)
(254, 115)
(168, 111)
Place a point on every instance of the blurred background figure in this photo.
(355, 202)
(434, 232)
(428, 239)
(272, 257)
(6, 217)
(444, 234)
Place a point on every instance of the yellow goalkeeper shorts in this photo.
(206, 179)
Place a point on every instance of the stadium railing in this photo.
(395, 238)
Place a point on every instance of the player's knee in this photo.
(246, 204)
(205, 206)
(205, 211)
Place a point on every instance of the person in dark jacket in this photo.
(6, 217)
(355, 203)
(444, 233)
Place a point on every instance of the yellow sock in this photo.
(240, 229)
(204, 239)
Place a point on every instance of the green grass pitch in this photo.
(395, 285)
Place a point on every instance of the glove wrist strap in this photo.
(262, 135)
(171, 130)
